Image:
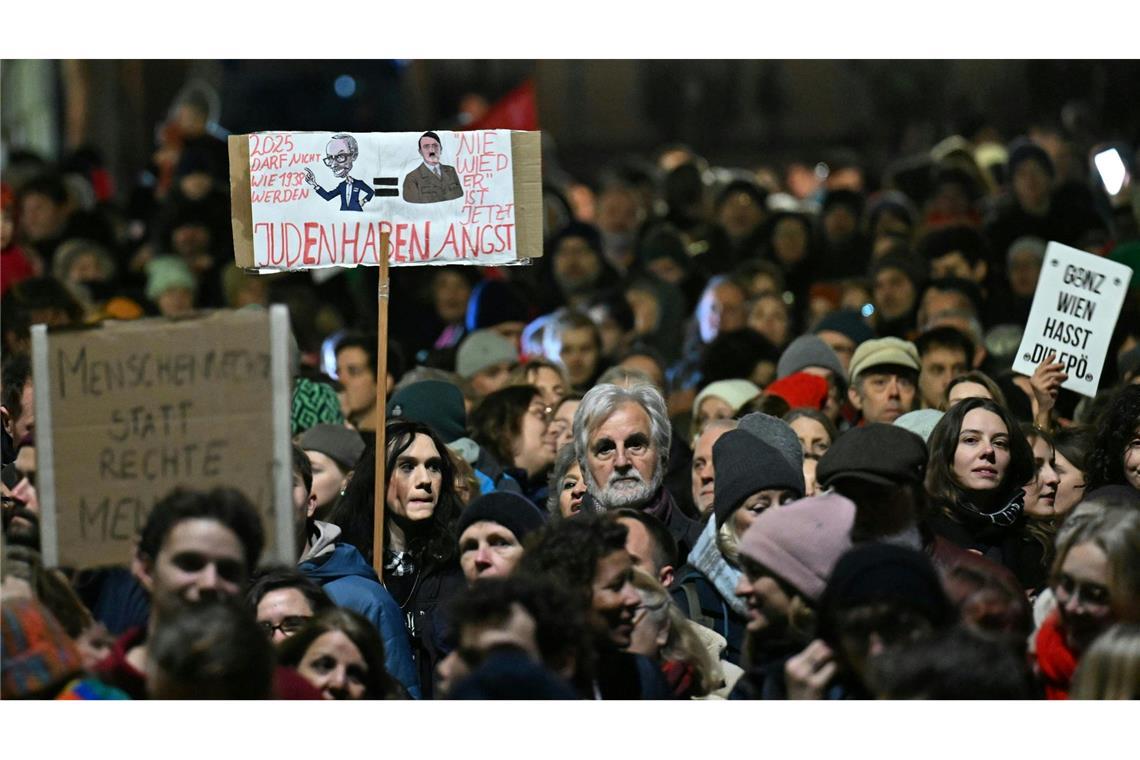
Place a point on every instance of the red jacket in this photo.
(117, 671)
(1055, 660)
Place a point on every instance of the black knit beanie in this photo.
(513, 512)
(744, 464)
(880, 572)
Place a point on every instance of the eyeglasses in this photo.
(1091, 594)
(339, 158)
(289, 625)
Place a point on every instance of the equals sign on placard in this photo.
(386, 186)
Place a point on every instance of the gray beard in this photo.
(613, 496)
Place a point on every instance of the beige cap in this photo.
(872, 353)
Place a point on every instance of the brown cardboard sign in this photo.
(129, 410)
(311, 200)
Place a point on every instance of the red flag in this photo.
(518, 109)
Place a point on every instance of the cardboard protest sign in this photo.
(310, 200)
(127, 411)
(1074, 312)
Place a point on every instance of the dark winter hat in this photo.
(879, 572)
(1024, 149)
(744, 465)
(914, 269)
(663, 243)
(877, 453)
(340, 444)
(587, 232)
(512, 511)
(777, 434)
(847, 322)
(842, 197)
(890, 200)
(808, 351)
(966, 240)
(492, 303)
(437, 404)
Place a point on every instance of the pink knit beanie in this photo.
(801, 541)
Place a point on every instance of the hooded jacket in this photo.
(350, 582)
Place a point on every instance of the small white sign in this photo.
(1075, 308)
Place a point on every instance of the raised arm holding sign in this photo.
(1075, 308)
(310, 200)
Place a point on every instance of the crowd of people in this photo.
(737, 434)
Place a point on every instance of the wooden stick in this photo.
(379, 493)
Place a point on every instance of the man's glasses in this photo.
(289, 625)
(339, 158)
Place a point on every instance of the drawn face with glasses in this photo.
(282, 612)
(339, 157)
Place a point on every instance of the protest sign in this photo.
(1075, 308)
(311, 200)
(126, 411)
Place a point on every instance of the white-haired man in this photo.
(622, 437)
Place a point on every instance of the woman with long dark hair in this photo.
(421, 565)
(979, 463)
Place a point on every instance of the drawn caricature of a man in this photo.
(340, 154)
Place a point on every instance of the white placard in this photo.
(1075, 308)
(322, 199)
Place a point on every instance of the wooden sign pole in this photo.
(380, 491)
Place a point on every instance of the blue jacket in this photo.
(349, 196)
(352, 583)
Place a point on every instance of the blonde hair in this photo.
(1110, 669)
(1115, 530)
(682, 644)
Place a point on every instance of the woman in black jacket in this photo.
(979, 463)
(421, 565)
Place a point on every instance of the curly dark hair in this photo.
(364, 636)
(497, 422)
(569, 550)
(559, 617)
(354, 512)
(941, 484)
(228, 506)
(1115, 429)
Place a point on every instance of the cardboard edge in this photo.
(526, 166)
(282, 435)
(45, 453)
(241, 201)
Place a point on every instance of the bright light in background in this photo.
(867, 310)
(345, 86)
(1112, 171)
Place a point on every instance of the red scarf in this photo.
(681, 677)
(1056, 661)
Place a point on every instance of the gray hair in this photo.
(603, 400)
(566, 457)
(625, 377)
(352, 146)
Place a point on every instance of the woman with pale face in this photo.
(567, 486)
(340, 653)
(816, 433)
(1096, 583)
(979, 464)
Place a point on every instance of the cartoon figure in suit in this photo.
(340, 154)
(431, 181)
